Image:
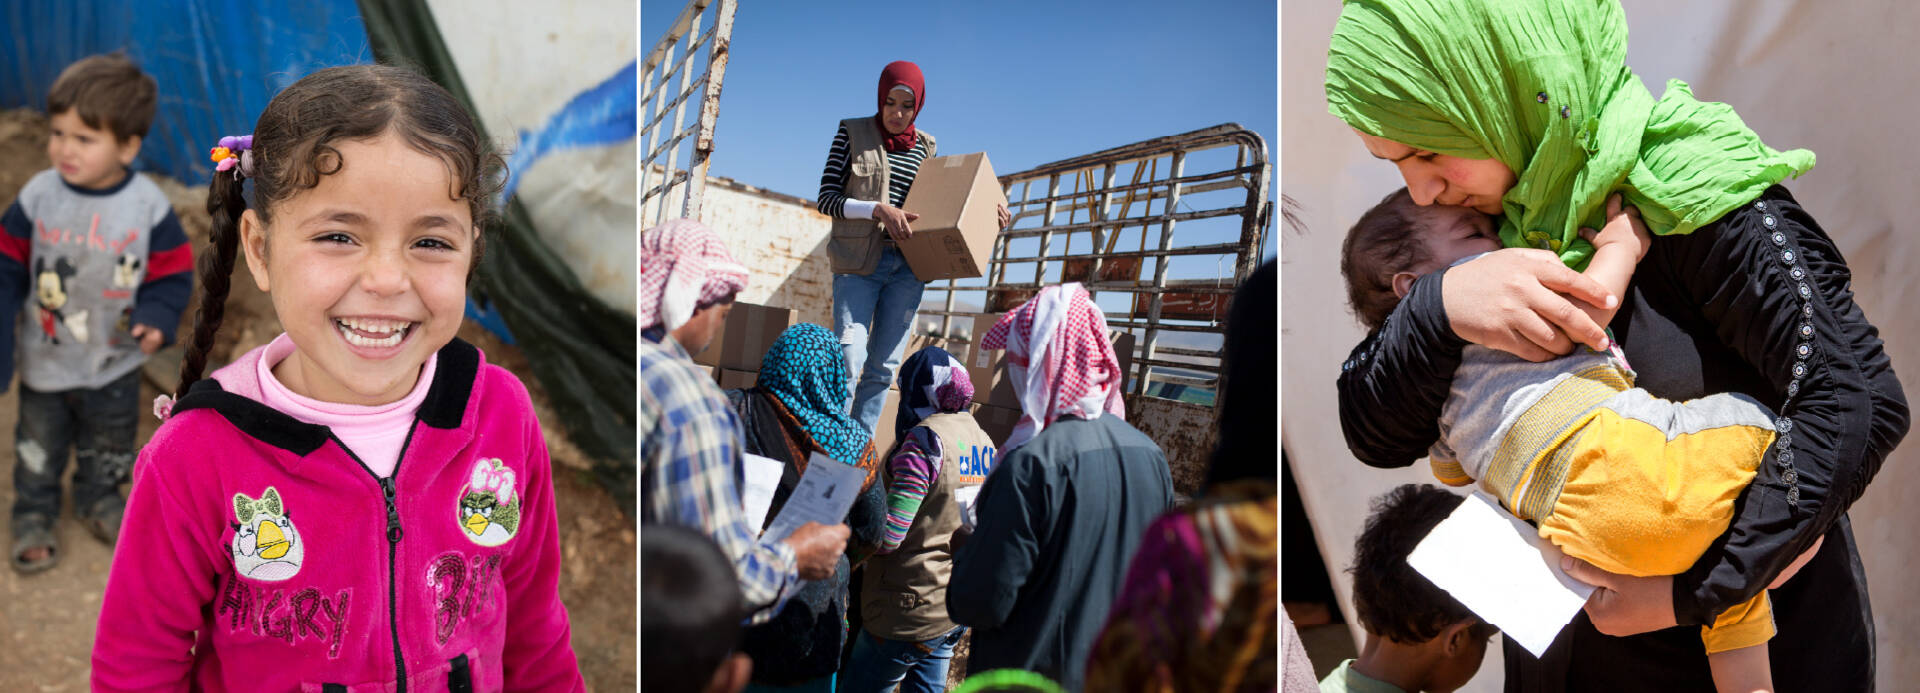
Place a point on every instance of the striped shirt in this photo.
(902, 166)
(690, 473)
(913, 468)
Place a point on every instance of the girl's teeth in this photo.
(347, 328)
(375, 326)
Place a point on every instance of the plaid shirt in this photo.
(691, 473)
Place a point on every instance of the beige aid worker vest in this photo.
(904, 595)
(855, 244)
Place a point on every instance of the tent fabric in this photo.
(217, 62)
(581, 349)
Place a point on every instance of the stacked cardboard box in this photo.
(730, 379)
(997, 422)
(883, 434)
(745, 336)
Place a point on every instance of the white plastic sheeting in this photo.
(522, 62)
(1831, 77)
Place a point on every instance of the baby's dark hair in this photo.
(690, 608)
(1381, 244)
(293, 148)
(108, 92)
(1393, 600)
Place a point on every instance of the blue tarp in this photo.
(217, 62)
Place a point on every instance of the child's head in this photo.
(370, 186)
(1398, 241)
(1396, 603)
(691, 610)
(98, 110)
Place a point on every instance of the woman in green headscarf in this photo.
(1525, 108)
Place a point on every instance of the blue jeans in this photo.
(872, 314)
(918, 667)
(100, 426)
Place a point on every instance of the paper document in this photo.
(1500, 568)
(824, 494)
(966, 496)
(762, 477)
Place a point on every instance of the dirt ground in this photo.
(47, 620)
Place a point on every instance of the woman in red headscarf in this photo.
(869, 170)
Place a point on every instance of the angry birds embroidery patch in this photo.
(489, 510)
(265, 544)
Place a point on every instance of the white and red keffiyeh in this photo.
(682, 265)
(1058, 359)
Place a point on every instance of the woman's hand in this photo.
(898, 222)
(1624, 605)
(1006, 217)
(1511, 300)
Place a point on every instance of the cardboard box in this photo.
(998, 422)
(958, 201)
(737, 380)
(1123, 348)
(987, 368)
(883, 435)
(746, 335)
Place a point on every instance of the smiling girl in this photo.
(364, 503)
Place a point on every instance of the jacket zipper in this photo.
(393, 567)
(393, 547)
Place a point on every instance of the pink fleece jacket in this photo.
(258, 554)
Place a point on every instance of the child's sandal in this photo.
(31, 532)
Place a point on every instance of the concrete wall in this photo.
(1791, 69)
(782, 239)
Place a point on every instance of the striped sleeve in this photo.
(162, 297)
(902, 168)
(912, 470)
(833, 179)
(16, 243)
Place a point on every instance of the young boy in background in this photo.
(1419, 638)
(97, 258)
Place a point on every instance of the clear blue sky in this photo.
(1027, 82)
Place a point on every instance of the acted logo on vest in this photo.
(974, 464)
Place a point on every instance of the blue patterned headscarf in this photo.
(931, 381)
(806, 372)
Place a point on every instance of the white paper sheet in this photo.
(1500, 568)
(762, 477)
(824, 494)
(966, 496)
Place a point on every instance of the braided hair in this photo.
(292, 149)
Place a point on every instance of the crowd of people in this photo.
(1071, 568)
(1056, 552)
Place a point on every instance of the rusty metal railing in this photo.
(1071, 219)
(678, 190)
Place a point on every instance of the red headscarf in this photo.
(901, 73)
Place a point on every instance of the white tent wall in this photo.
(1820, 75)
(522, 62)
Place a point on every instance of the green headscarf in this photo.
(1543, 87)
